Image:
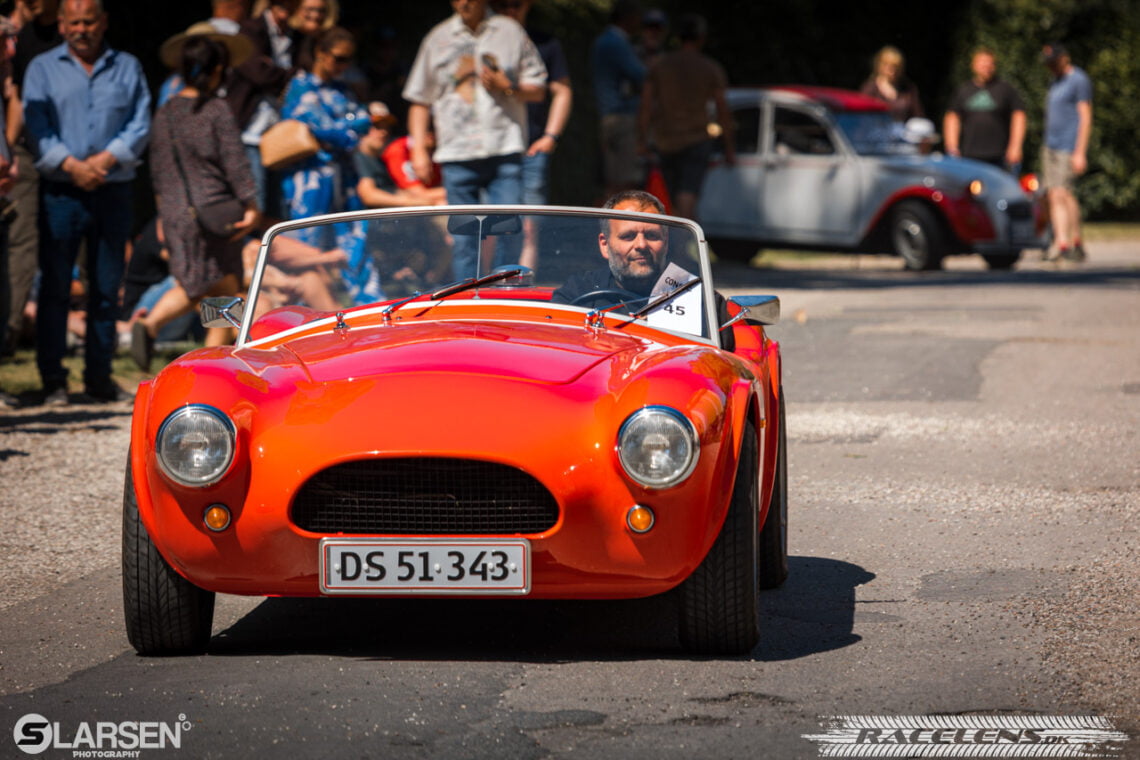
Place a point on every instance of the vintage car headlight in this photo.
(658, 446)
(195, 445)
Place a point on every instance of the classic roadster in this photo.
(600, 425)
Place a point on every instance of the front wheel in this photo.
(740, 251)
(719, 605)
(918, 237)
(1001, 261)
(165, 613)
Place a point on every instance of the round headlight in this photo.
(658, 446)
(196, 445)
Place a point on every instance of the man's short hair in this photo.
(642, 198)
(644, 201)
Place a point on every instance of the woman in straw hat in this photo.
(197, 160)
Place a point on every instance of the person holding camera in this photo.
(473, 76)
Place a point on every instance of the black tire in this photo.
(774, 534)
(719, 605)
(1001, 261)
(740, 251)
(917, 235)
(164, 612)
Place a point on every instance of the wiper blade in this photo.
(665, 297)
(450, 290)
(474, 282)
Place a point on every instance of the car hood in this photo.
(548, 354)
(955, 172)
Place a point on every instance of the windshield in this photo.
(605, 264)
(874, 134)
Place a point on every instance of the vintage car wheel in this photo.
(719, 605)
(774, 535)
(165, 613)
(1001, 261)
(918, 237)
(740, 251)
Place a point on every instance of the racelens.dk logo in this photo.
(987, 736)
(34, 734)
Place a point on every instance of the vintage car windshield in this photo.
(311, 269)
(874, 133)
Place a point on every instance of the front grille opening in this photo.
(424, 496)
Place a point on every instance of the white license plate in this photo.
(425, 566)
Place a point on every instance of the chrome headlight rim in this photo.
(215, 474)
(688, 430)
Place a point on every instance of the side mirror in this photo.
(222, 311)
(764, 310)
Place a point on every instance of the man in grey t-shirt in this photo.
(1064, 156)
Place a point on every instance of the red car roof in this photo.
(835, 98)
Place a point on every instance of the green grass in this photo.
(1112, 230)
(19, 376)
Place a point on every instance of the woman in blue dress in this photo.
(326, 183)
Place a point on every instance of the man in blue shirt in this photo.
(1064, 157)
(87, 112)
(618, 74)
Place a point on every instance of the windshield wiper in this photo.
(474, 282)
(664, 297)
(450, 290)
(597, 317)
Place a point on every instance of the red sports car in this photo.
(601, 424)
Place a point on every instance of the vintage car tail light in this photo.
(217, 517)
(977, 187)
(639, 519)
(658, 446)
(195, 445)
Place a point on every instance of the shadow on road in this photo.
(813, 612)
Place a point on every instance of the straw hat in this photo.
(240, 47)
(380, 116)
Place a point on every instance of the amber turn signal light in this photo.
(217, 517)
(639, 519)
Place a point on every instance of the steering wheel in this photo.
(613, 295)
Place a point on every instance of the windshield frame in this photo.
(705, 274)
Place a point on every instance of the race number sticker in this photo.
(682, 313)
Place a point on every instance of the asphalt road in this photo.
(965, 488)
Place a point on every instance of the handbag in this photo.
(287, 142)
(217, 218)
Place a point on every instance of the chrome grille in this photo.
(424, 496)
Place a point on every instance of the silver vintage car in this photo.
(823, 168)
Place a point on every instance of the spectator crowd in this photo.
(271, 112)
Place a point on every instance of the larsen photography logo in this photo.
(967, 736)
(104, 739)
